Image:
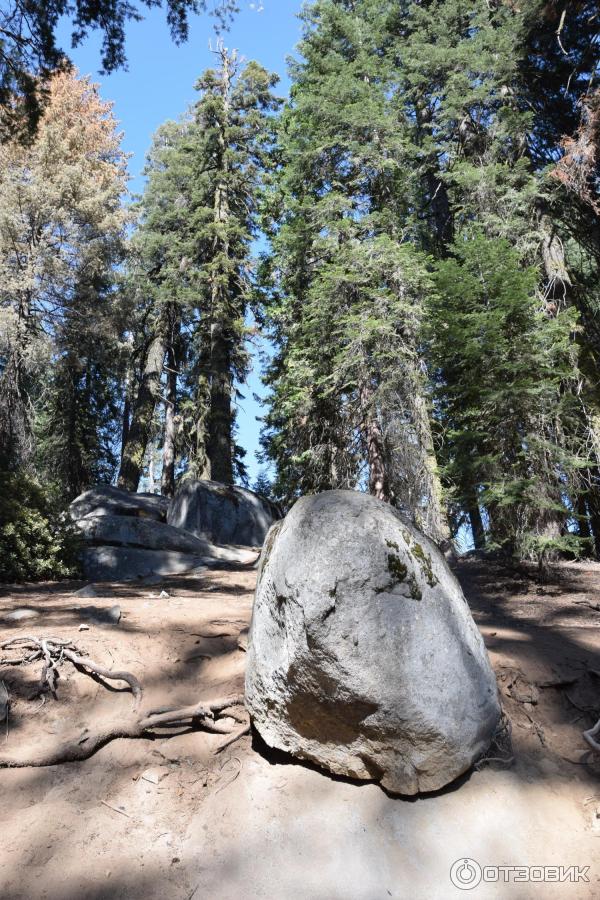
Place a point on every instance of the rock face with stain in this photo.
(223, 513)
(363, 656)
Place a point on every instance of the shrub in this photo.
(37, 539)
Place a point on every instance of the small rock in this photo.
(87, 591)
(114, 614)
(84, 627)
(242, 640)
(17, 615)
(163, 595)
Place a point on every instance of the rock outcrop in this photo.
(224, 514)
(127, 538)
(363, 656)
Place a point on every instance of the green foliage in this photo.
(192, 250)
(420, 136)
(504, 372)
(37, 541)
(62, 229)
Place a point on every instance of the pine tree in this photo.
(234, 121)
(348, 388)
(504, 372)
(193, 268)
(163, 287)
(61, 237)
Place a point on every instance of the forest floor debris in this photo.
(255, 824)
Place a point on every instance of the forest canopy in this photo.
(415, 230)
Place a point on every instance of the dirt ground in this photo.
(167, 819)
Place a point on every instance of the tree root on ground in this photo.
(54, 651)
(590, 736)
(209, 715)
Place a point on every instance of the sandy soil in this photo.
(167, 819)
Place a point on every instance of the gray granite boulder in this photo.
(105, 563)
(102, 563)
(225, 514)
(106, 500)
(128, 531)
(363, 656)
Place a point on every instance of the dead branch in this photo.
(204, 715)
(97, 669)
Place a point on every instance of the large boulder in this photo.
(105, 563)
(363, 656)
(106, 500)
(225, 514)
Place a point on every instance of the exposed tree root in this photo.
(54, 651)
(214, 715)
(590, 736)
(204, 715)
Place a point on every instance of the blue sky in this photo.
(159, 85)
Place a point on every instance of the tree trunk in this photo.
(144, 406)
(127, 397)
(219, 444)
(583, 522)
(435, 524)
(167, 486)
(374, 443)
(200, 463)
(220, 437)
(475, 519)
(553, 257)
(593, 502)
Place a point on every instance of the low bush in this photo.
(37, 538)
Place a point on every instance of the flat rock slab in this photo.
(147, 534)
(131, 564)
(363, 656)
(105, 500)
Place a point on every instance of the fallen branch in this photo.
(86, 663)
(115, 809)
